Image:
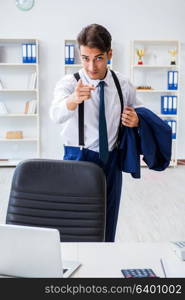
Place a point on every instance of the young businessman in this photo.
(102, 114)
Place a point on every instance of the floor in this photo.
(152, 208)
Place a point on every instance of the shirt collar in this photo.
(107, 78)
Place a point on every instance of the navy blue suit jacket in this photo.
(152, 139)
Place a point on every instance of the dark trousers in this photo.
(113, 179)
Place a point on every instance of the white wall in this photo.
(51, 21)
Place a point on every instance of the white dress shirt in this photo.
(59, 112)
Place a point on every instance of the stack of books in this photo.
(30, 107)
(32, 81)
(1, 85)
(14, 135)
(3, 109)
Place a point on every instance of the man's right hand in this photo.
(82, 93)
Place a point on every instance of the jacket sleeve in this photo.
(155, 140)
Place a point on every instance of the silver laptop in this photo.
(32, 252)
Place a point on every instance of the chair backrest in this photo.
(67, 195)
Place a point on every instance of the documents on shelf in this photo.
(32, 81)
(14, 134)
(1, 85)
(3, 109)
(30, 107)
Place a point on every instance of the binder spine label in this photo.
(33, 53)
(29, 55)
(72, 53)
(67, 60)
(175, 80)
(174, 110)
(173, 129)
(170, 80)
(24, 53)
(169, 105)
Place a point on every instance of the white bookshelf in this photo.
(18, 90)
(18, 140)
(10, 163)
(15, 77)
(19, 115)
(153, 73)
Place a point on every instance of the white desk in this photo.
(107, 259)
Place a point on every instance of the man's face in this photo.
(94, 61)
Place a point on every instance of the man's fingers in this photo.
(83, 91)
(83, 98)
(126, 115)
(86, 88)
(128, 108)
(81, 88)
(90, 87)
(84, 94)
(79, 83)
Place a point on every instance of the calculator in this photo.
(138, 273)
(179, 249)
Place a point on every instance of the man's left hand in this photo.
(129, 117)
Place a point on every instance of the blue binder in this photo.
(33, 53)
(29, 55)
(67, 55)
(72, 53)
(170, 80)
(164, 105)
(175, 80)
(172, 124)
(174, 105)
(24, 53)
(174, 129)
(170, 103)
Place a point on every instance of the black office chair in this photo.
(67, 195)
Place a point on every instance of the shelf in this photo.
(19, 140)
(157, 91)
(16, 90)
(77, 65)
(167, 116)
(19, 86)
(73, 66)
(154, 73)
(9, 163)
(155, 66)
(18, 115)
(18, 64)
(156, 42)
(17, 40)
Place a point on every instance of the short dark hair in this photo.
(95, 36)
